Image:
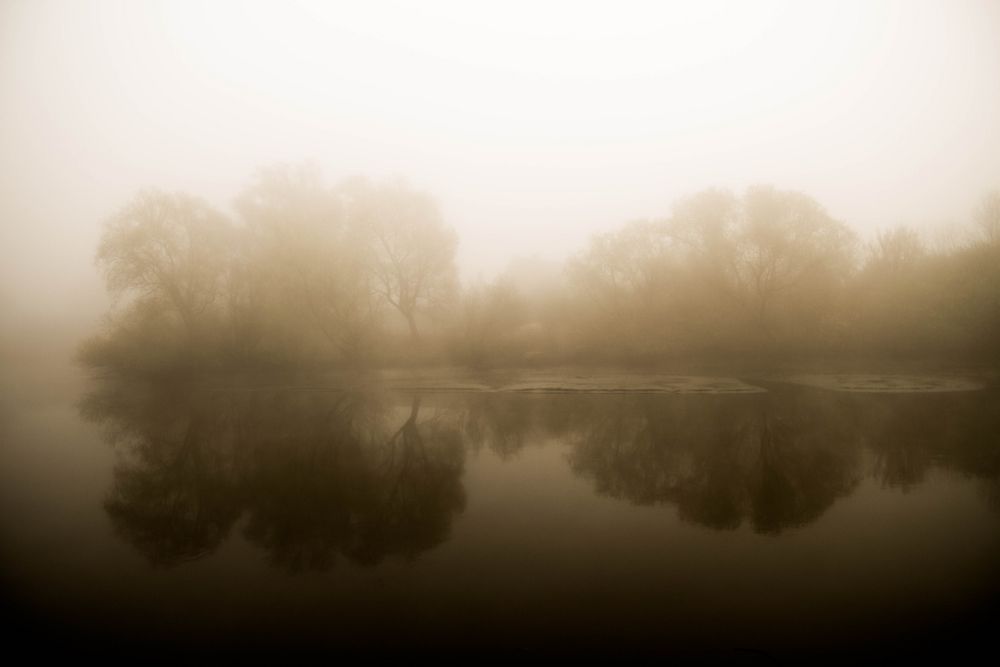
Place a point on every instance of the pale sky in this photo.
(534, 124)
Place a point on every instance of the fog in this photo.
(534, 127)
(542, 329)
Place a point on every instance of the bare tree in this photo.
(413, 251)
(168, 249)
(787, 242)
(630, 263)
(895, 250)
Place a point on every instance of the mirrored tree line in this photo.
(313, 477)
(779, 460)
(317, 475)
(363, 273)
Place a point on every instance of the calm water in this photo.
(798, 521)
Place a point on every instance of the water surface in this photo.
(786, 521)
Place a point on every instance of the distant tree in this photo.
(310, 256)
(721, 272)
(413, 251)
(974, 282)
(622, 286)
(628, 263)
(487, 318)
(707, 226)
(167, 249)
(789, 245)
(776, 256)
(988, 217)
(895, 250)
(895, 299)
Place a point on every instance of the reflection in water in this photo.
(780, 459)
(721, 460)
(319, 474)
(347, 482)
(909, 435)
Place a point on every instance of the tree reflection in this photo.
(349, 486)
(175, 494)
(313, 477)
(781, 459)
(721, 461)
(501, 423)
(317, 474)
(909, 435)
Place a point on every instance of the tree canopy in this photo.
(307, 273)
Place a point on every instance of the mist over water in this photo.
(546, 330)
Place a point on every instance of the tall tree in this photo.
(311, 254)
(790, 249)
(413, 250)
(168, 250)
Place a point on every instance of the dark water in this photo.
(147, 520)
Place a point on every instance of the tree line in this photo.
(307, 274)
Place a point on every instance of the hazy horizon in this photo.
(533, 127)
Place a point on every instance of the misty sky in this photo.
(535, 124)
